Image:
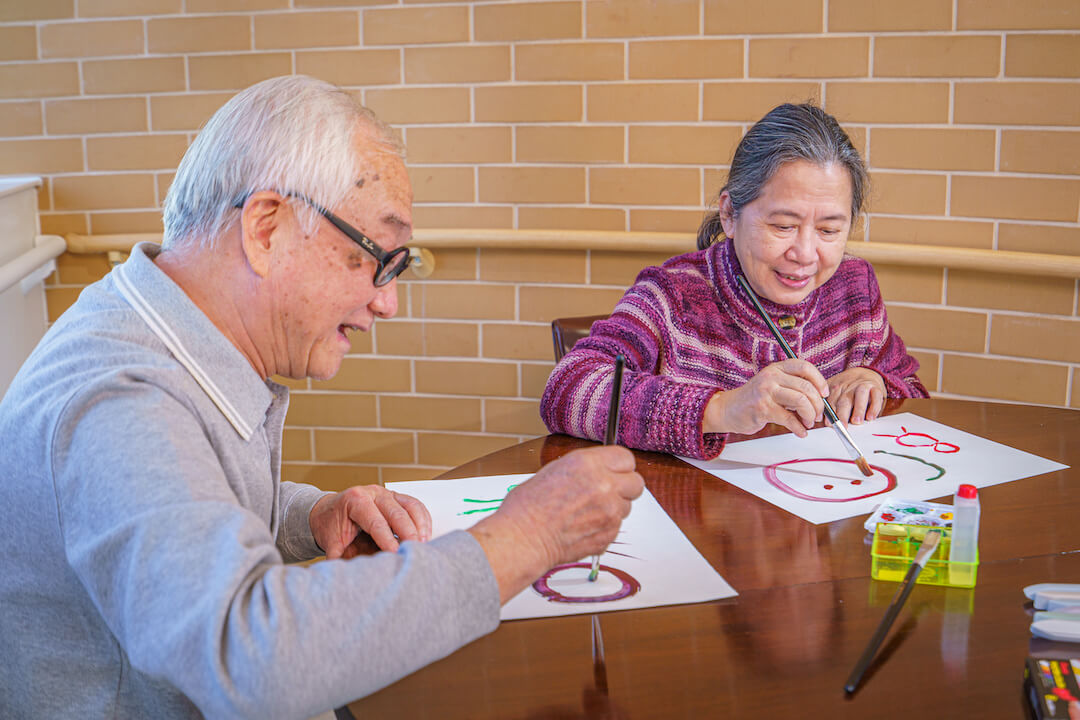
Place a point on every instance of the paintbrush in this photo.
(926, 549)
(599, 664)
(612, 430)
(845, 437)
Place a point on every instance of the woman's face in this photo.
(791, 239)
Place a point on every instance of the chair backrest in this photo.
(567, 331)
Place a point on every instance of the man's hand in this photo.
(572, 508)
(787, 393)
(858, 394)
(339, 522)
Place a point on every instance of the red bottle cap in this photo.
(967, 491)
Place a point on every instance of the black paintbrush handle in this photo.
(883, 628)
(615, 401)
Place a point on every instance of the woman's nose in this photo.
(803, 247)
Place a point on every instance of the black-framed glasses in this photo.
(388, 264)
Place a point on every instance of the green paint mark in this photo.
(941, 470)
(495, 506)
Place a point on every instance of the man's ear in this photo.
(727, 214)
(263, 214)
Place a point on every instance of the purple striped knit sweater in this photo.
(687, 331)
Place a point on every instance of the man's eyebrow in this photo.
(395, 219)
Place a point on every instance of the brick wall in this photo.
(571, 114)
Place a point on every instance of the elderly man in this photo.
(145, 531)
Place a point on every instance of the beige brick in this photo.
(97, 192)
(35, 80)
(1075, 399)
(513, 416)
(369, 446)
(459, 144)
(749, 101)
(305, 30)
(621, 269)
(235, 72)
(809, 57)
(410, 26)
(645, 186)
(1042, 56)
(532, 184)
(693, 145)
(632, 18)
(451, 339)
(1028, 237)
(457, 449)
(430, 413)
(18, 42)
(135, 152)
(420, 105)
(1006, 291)
(294, 384)
(463, 217)
(96, 115)
(708, 59)
(888, 102)
(163, 180)
(571, 218)
(949, 233)
(907, 283)
(16, 11)
(908, 193)
(732, 17)
(351, 67)
(134, 75)
(476, 64)
(1015, 198)
(20, 118)
(63, 223)
(946, 56)
(932, 149)
(125, 222)
(527, 265)
(199, 34)
(399, 338)
(527, 21)
(993, 378)
(940, 329)
(129, 8)
(529, 103)
(517, 342)
(333, 478)
(188, 111)
(81, 269)
(57, 300)
(369, 374)
(452, 264)
(1017, 103)
(1040, 151)
(331, 410)
(1006, 15)
(467, 302)
(650, 220)
(335, 3)
(444, 377)
(928, 369)
(887, 16)
(643, 102)
(1035, 337)
(534, 378)
(296, 445)
(40, 156)
(585, 145)
(442, 184)
(544, 304)
(569, 61)
(44, 198)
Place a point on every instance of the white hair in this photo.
(292, 134)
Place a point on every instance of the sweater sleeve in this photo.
(886, 354)
(658, 413)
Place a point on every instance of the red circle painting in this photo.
(882, 481)
(629, 586)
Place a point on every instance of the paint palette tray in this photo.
(894, 548)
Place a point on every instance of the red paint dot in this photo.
(856, 482)
(828, 487)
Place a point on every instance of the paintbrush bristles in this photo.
(864, 466)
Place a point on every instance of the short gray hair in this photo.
(786, 133)
(290, 134)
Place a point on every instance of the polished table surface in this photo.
(805, 610)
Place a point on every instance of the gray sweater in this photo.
(145, 532)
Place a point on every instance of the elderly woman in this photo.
(700, 361)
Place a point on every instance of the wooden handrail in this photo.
(1001, 261)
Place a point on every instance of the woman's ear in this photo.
(727, 214)
(260, 219)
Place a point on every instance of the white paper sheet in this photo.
(651, 562)
(913, 458)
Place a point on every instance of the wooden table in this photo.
(806, 607)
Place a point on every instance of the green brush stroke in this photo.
(941, 470)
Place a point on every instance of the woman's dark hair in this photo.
(787, 133)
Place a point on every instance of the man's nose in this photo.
(384, 304)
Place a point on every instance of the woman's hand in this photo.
(342, 523)
(858, 394)
(787, 393)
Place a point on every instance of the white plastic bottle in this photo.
(965, 536)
